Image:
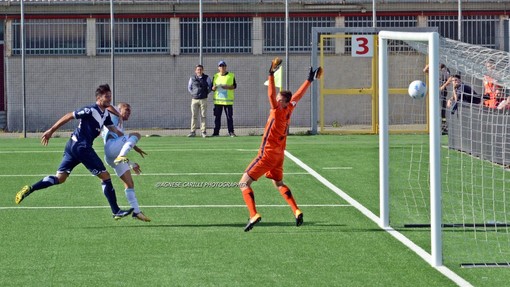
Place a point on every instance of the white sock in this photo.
(131, 142)
(131, 197)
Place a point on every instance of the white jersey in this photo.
(117, 123)
(114, 145)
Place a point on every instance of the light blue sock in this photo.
(128, 145)
(131, 197)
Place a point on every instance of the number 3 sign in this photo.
(362, 46)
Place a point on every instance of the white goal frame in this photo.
(432, 38)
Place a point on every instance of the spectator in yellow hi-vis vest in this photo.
(224, 84)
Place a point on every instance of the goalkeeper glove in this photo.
(275, 65)
(311, 74)
(314, 74)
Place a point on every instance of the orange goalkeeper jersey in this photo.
(274, 139)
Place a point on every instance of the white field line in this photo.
(173, 206)
(100, 150)
(31, 151)
(365, 211)
(155, 174)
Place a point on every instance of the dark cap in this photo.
(222, 63)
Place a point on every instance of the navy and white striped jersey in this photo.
(92, 120)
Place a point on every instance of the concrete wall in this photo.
(156, 84)
(156, 87)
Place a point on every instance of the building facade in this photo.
(66, 51)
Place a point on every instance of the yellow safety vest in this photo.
(222, 96)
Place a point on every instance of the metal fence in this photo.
(11, 2)
(477, 30)
(134, 35)
(224, 35)
(51, 37)
(299, 28)
(220, 35)
(159, 50)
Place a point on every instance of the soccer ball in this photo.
(417, 89)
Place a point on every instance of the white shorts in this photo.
(111, 151)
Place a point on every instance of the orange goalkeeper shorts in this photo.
(272, 167)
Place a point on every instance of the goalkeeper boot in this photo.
(299, 217)
(120, 159)
(141, 216)
(275, 64)
(24, 192)
(122, 213)
(254, 220)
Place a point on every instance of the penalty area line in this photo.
(365, 211)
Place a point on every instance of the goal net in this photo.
(471, 229)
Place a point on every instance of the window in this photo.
(134, 36)
(51, 37)
(300, 29)
(477, 30)
(220, 35)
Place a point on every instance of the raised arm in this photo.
(45, 138)
(301, 91)
(312, 74)
(448, 81)
(271, 91)
(426, 68)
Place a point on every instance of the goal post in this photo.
(432, 39)
(452, 179)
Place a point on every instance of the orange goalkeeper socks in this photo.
(249, 199)
(287, 195)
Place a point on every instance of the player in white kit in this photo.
(116, 149)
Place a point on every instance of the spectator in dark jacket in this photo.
(199, 86)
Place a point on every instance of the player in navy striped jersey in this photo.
(79, 149)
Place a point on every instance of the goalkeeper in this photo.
(269, 161)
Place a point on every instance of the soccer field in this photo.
(65, 235)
